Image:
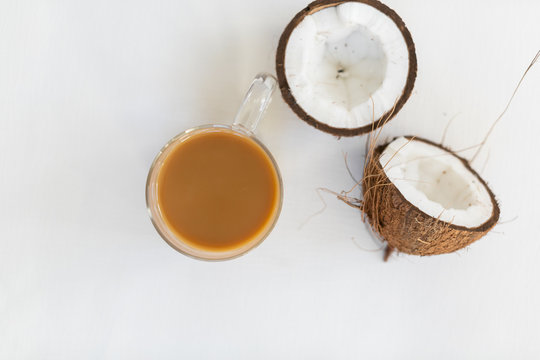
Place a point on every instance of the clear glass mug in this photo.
(247, 118)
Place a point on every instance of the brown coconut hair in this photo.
(403, 225)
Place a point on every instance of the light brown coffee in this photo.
(218, 190)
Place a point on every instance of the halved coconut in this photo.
(346, 67)
(423, 199)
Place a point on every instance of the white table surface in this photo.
(89, 92)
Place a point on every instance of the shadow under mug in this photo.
(247, 118)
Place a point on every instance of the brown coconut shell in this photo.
(284, 85)
(404, 226)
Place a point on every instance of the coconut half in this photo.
(346, 67)
(423, 199)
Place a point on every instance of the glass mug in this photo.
(247, 118)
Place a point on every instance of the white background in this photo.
(90, 91)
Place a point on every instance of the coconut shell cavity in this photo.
(346, 67)
(423, 199)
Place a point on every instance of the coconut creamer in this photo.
(218, 190)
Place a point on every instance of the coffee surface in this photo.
(218, 190)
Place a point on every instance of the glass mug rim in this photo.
(177, 242)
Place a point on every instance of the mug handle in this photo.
(255, 103)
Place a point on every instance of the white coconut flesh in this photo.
(436, 182)
(340, 58)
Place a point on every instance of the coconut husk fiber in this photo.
(406, 228)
